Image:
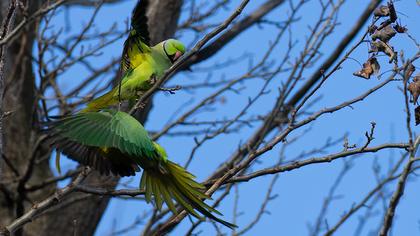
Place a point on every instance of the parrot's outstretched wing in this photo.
(138, 41)
(107, 129)
(139, 21)
(99, 139)
(113, 141)
(107, 162)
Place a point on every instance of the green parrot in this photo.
(141, 64)
(113, 142)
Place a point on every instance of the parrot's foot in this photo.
(140, 106)
(171, 90)
(153, 80)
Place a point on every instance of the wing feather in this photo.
(139, 21)
(138, 40)
(117, 129)
(110, 141)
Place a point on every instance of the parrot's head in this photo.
(173, 49)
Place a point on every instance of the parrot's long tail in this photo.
(101, 102)
(171, 181)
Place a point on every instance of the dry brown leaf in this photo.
(375, 65)
(400, 29)
(417, 115)
(372, 29)
(370, 67)
(379, 46)
(392, 12)
(409, 70)
(414, 88)
(381, 11)
(385, 34)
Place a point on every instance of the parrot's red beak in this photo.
(177, 55)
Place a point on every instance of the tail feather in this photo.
(158, 195)
(182, 200)
(167, 196)
(101, 102)
(171, 183)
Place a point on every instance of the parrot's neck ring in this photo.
(169, 56)
(164, 49)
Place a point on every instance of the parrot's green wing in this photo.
(139, 21)
(113, 141)
(109, 141)
(107, 129)
(138, 41)
(109, 161)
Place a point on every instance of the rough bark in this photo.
(18, 127)
(163, 18)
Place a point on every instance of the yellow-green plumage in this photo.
(133, 84)
(141, 64)
(113, 142)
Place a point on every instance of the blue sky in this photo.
(300, 193)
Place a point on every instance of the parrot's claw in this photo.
(152, 80)
(140, 106)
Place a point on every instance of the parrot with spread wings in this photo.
(113, 142)
(141, 64)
